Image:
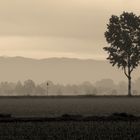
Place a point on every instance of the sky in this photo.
(58, 28)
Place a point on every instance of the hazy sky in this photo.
(58, 28)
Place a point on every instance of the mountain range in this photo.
(59, 70)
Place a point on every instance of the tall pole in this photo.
(47, 88)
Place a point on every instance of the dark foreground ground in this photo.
(92, 130)
(69, 130)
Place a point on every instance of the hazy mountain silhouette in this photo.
(60, 70)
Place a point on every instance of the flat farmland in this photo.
(56, 106)
(69, 130)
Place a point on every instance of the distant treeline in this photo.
(102, 87)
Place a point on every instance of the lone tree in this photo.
(123, 37)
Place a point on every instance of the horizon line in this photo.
(76, 58)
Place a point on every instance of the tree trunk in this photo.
(129, 77)
(129, 86)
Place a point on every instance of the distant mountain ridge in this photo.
(59, 70)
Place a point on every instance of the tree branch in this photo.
(125, 72)
(131, 69)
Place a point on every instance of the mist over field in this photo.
(65, 76)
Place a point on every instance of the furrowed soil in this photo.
(70, 131)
